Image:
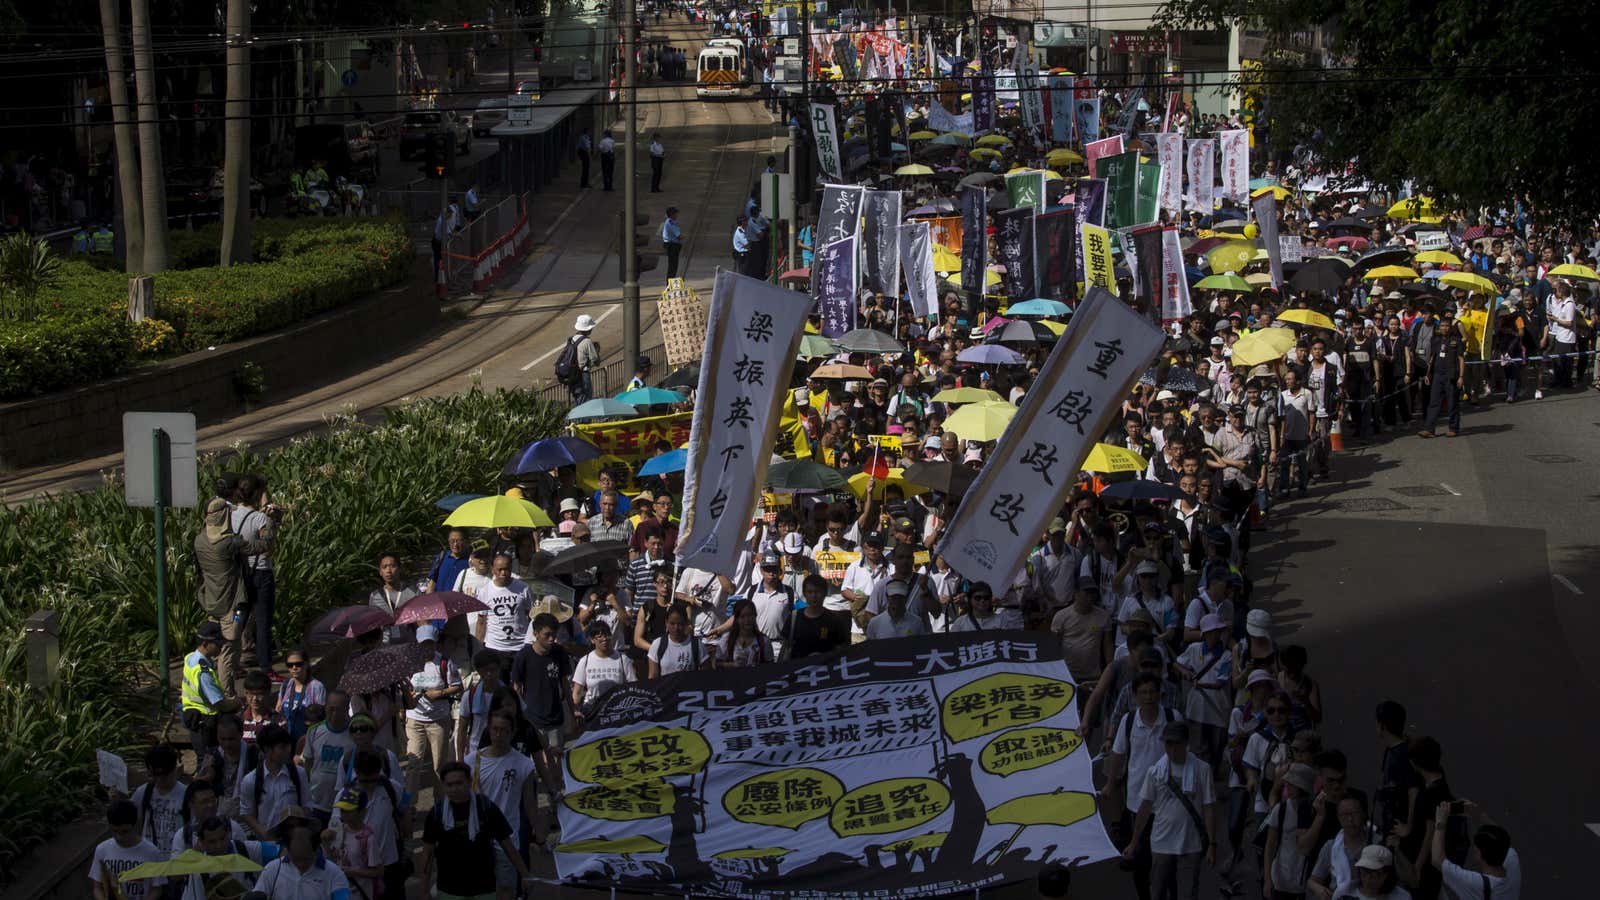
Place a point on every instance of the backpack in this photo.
(260, 785)
(1170, 714)
(694, 649)
(567, 370)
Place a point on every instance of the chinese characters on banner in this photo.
(1094, 150)
(1061, 108)
(1169, 153)
(1030, 87)
(1055, 236)
(1035, 465)
(880, 242)
(1013, 233)
(634, 441)
(892, 772)
(1175, 303)
(1265, 208)
(1146, 263)
(1202, 172)
(1026, 189)
(840, 216)
(1291, 249)
(940, 119)
(1096, 242)
(825, 125)
(1090, 210)
(974, 241)
(1086, 112)
(916, 261)
(755, 329)
(1235, 165)
(834, 283)
(983, 97)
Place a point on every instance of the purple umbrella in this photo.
(349, 621)
(382, 667)
(990, 355)
(438, 605)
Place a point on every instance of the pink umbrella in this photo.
(993, 323)
(1355, 242)
(349, 621)
(438, 605)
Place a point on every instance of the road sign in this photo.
(348, 78)
(519, 110)
(142, 432)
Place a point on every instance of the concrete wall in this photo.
(87, 421)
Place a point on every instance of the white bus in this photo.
(717, 73)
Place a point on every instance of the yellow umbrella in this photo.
(190, 862)
(990, 277)
(966, 395)
(1062, 157)
(959, 135)
(1438, 258)
(1306, 317)
(1019, 170)
(1278, 192)
(621, 846)
(1232, 256)
(924, 135)
(944, 260)
(994, 140)
(497, 512)
(1405, 272)
(1057, 327)
(1573, 270)
(1259, 280)
(1416, 209)
(1107, 458)
(1467, 281)
(1052, 176)
(812, 329)
(1263, 346)
(985, 153)
(982, 422)
(896, 478)
(914, 169)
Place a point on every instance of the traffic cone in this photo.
(1336, 437)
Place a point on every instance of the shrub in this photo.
(61, 350)
(153, 337)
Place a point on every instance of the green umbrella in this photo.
(815, 345)
(804, 475)
(1225, 282)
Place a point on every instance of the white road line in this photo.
(1566, 582)
(1594, 827)
(557, 348)
(1450, 489)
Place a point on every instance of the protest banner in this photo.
(1025, 189)
(1202, 172)
(1097, 271)
(825, 126)
(1236, 165)
(1089, 210)
(1061, 107)
(1030, 96)
(1013, 238)
(1291, 248)
(916, 263)
(983, 97)
(834, 284)
(946, 232)
(1169, 153)
(634, 440)
(1175, 302)
(921, 767)
(1143, 245)
(1085, 111)
(1055, 239)
(975, 241)
(1094, 150)
(880, 242)
(683, 323)
(1036, 463)
(840, 216)
(755, 329)
(1265, 208)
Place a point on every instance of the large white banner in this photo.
(1202, 172)
(754, 332)
(940, 119)
(1030, 87)
(1036, 463)
(1175, 302)
(825, 126)
(915, 767)
(1169, 153)
(1236, 165)
(916, 262)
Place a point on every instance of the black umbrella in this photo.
(1144, 489)
(1346, 225)
(1020, 331)
(382, 667)
(942, 476)
(582, 557)
(686, 377)
(1318, 279)
(804, 475)
(1384, 256)
(1371, 212)
(1179, 379)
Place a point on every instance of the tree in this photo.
(236, 139)
(1476, 103)
(152, 177)
(27, 267)
(123, 134)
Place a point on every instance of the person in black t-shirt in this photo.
(541, 673)
(816, 628)
(461, 835)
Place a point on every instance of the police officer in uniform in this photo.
(608, 160)
(584, 146)
(105, 241)
(202, 697)
(1446, 377)
(672, 240)
(83, 240)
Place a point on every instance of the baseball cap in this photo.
(1166, 395)
(1258, 623)
(933, 442)
(566, 526)
(349, 799)
(904, 524)
(1088, 583)
(896, 588)
(1217, 342)
(1058, 525)
(209, 631)
(874, 538)
(1259, 676)
(794, 543)
(1140, 615)
(973, 455)
(1175, 733)
(1148, 567)
(802, 397)
(427, 633)
(1212, 622)
(771, 561)
(1375, 857)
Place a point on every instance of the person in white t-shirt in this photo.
(600, 670)
(1500, 874)
(302, 873)
(895, 621)
(511, 782)
(1136, 746)
(159, 801)
(121, 852)
(1179, 802)
(505, 624)
(744, 646)
(473, 578)
(678, 650)
(981, 613)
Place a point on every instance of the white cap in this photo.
(933, 442)
(1211, 622)
(584, 324)
(794, 543)
(1257, 623)
(1375, 857)
(973, 455)
(1166, 395)
(427, 633)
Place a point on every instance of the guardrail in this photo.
(484, 248)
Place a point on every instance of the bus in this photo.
(717, 73)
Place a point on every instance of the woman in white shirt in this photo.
(744, 646)
(600, 670)
(678, 650)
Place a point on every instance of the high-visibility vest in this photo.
(105, 241)
(192, 696)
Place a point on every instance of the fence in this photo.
(608, 380)
(485, 247)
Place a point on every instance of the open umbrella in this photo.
(994, 140)
(914, 169)
(376, 670)
(1038, 306)
(1467, 281)
(649, 397)
(984, 153)
(1371, 211)
(686, 377)
(601, 408)
(1144, 489)
(1109, 459)
(1306, 317)
(1438, 258)
(1415, 209)
(941, 475)
(191, 862)
(1355, 242)
(944, 260)
(498, 511)
(1061, 156)
(1232, 256)
(896, 478)
(1021, 331)
(1264, 345)
(1574, 270)
(1179, 379)
(981, 422)
(1227, 281)
(842, 371)
(1345, 225)
(952, 139)
(966, 395)
(449, 502)
(582, 557)
(923, 135)
(550, 453)
(1383, 256)
(1318, 278)
(1278, 192)
(349, 621)
(865, 340)
(438, 605)
(804, 475)
(979, 179)
(670, 461)
(991, 354)
(924, 210)
(1389, 272)
(815, 345)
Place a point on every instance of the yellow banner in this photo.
(634, 440)
(889, 442)
(1097, 258)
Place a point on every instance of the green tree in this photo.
(1477, 103)
(27, 267)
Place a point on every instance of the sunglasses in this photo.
(296, 663)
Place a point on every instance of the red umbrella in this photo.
(438, 605)
(801, 274)
(349, 621)
(1204, 245)
(1475, 232)
(1356, 243)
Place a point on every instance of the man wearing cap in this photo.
(1178, 806)
(641, 372)
(202, 698)
(896, 620)
(434, 688)
(220, 553)
(1208, 667)
(1136, 747)
(1148, 596)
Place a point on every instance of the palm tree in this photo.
(122, 130)
(236, 139)
(152, 175)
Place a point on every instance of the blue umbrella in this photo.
(449, 502)
(551, 453)
(990, 355)
(670, 461)
(650, 397)
(601, 409)
(1039, 306)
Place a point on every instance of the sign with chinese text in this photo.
(635, 439)
(1290, 246)
(974, 240)
(755, 329)
(1036, 463)
(1055, 238)
(983, 98)
(1095, 150)
(1026, 189)
(880, 242)
(1175, 302)
(840, 216)
(1235, 165)
(1169, 153)
(1086, 112)
(923, 767)
(1030, 90)
(1013, 238)
(825, 126)
(1202, 172)
(833, 286)
(1097, 271)
(916, 261)
(683, 323)
(1142, 247)
(1061, 107)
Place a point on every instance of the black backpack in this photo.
(567, 362)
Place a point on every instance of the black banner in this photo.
(1013, 231)
(974, 245)
(1056, 240)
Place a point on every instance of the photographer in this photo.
(220, 555)
(256, 520)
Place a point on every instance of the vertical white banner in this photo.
(1236, 165)
(916, 262)
(1202, 172)
(825, 126)
(1169, 153)
(1175, 302)
(1036, 463)
(754, 330)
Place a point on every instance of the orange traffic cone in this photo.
(1336, 437)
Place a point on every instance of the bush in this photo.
(63, 349)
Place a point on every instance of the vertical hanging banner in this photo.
(974, 241)
(1026, 189)
(916, 263)
(880, 242)
(1097, 271)
(1121, 174)
(983, 97)
(946, 232)
(1236, 165)
(933, 766)
(834, 280)
(1013, 233)
(825, 127)
(1265, 208)
(1202, 172)
(1061, 108)
(754, 331)
(1169, 153)
(1175, 303)
(840, 216)
(1055, 239)
(1094, 150)
(1147, 266)
(1030, 87)
(1090, 210)
(1036, 464)
(1085, 111)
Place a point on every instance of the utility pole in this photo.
(511, 49)
(630, 208)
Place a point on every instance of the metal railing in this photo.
(466, 250)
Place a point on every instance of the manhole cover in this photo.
(1420, 490)
(1369, 504)
(1552, 458)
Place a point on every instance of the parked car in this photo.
(489, 113)
(414, 131)
(348, 149)
(530, 87)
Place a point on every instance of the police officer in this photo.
(608, 160)
(105, 240)
(202, 697)
(658, 159)
(585, 144)
(83, 240)
(672, 240)
(1446, 376)
(741, 246)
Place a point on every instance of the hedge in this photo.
(303, 268)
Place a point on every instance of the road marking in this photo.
(1567, 583)
(1594, 827)
(1450, 489)
(557, 348)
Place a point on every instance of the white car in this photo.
(487, 115)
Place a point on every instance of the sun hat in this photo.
(585, 323)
